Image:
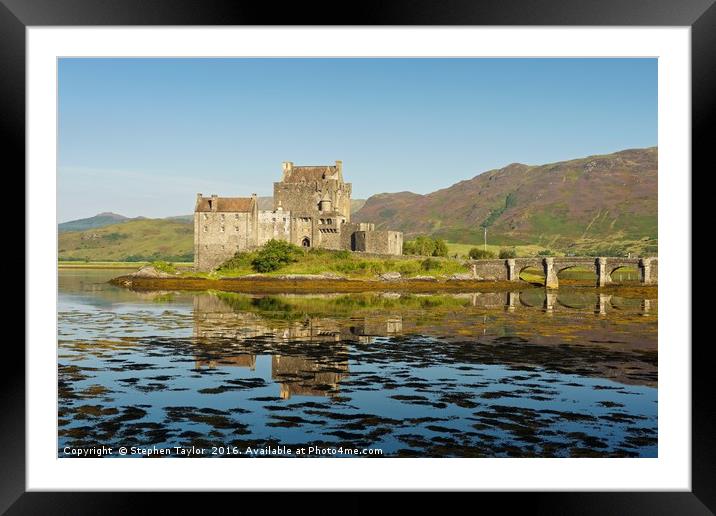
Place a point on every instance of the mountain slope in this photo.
(98, 221)
(606, 198)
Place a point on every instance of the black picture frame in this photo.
(700, 15)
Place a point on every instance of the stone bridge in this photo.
(511, 268)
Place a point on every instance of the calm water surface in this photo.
(517, 374)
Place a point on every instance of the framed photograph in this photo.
(429, 237)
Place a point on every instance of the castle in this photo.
(311, 208)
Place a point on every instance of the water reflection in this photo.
(528, 373)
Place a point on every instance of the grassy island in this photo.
(278, 258)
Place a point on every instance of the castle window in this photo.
(223, 216)
(222, 229)
(206, 216)
(206, 228)
(329, 221)
(237, 228)
(236, 215)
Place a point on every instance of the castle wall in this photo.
(302, 227)
(330, 238)
(306, 196)
(347, 231)
(274, 225)
(219, 235)
(379, 242)
(297, 197)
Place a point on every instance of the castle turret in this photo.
(325, 204)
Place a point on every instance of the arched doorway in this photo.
(306, 242)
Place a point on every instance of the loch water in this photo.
(493, 374)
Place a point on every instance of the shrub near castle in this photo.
(274, 255)
(426, 246)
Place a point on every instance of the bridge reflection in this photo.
(549, 300)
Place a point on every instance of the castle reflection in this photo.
(216, 318)
(302, 374)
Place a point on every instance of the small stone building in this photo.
(312, 208)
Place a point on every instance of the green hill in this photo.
(581, 205)
(98, 221)
(134, 240)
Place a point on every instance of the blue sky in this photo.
(143, 136)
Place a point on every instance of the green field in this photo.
(143, 240)
(522, 250)
(114, 265)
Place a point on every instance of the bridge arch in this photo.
(571, 306)
(524, 299)
(535, 269)
(520, 265)
(632, 266)
(590, 272)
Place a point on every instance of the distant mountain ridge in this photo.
(601, 198)
(100, 220)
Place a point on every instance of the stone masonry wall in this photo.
(274, 225)
(305, 197)
(302, 228)
(347, 231)
(218, 236)
(379, 242)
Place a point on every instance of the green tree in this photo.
(508, 253)
(440, 248)
(274, 255)
(480, 254)
(424, 245)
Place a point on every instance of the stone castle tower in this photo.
(308, 189)
(311, 208)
